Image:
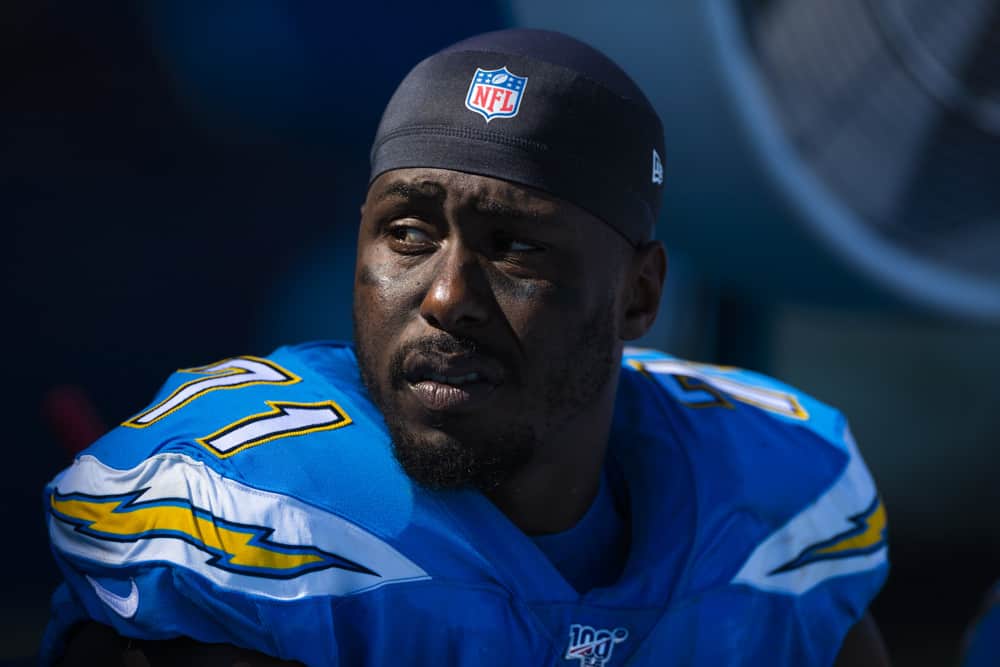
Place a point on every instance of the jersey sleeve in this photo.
(842, 532)
(811, 541)
(796, 466)
(172, 548)
(194, 518)
(135, 547)
(825, 564)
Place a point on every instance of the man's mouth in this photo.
(455, 380)
(451, 384)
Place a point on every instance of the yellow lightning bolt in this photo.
(853, 542)
(236, 548)
(874, 528)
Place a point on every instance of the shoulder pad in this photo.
(761, 448)
(227, 459)
(700, 385)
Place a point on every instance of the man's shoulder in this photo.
(293, 371)
(756, 449)
(719, 397)
(246, 484)
(247, 410)
(748, 428)
(283, 456)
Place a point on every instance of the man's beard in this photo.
(453, 463)
(485, 462)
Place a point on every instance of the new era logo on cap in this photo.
(495, 93)
(657, 168)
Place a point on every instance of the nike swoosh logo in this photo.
(124, 606)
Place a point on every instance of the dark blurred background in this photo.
(180, 182)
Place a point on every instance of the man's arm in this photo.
(863, 646)
(95, 644)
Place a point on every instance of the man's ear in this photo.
(645, 286)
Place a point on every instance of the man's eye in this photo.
(517, 245)
(409, 235)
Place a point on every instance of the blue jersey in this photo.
(257, 502)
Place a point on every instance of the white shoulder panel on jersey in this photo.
(841, 533)
(174, 509)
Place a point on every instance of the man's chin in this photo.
(439, 461)
(446, 451)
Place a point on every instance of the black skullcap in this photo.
(537, 108)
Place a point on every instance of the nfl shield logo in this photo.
(495, 93)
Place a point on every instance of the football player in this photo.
(487, 476)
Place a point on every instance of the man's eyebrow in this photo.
(495, 208)
(409, 191)
(483, 204)
(533, 212)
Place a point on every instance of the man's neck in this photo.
(556, 489)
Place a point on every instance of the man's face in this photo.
(486, 321)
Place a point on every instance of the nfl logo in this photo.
(495, 93)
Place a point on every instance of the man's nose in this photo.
(459, 296)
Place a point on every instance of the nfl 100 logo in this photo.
(593, 647)
(495, 93)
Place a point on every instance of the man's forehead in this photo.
(484, 193)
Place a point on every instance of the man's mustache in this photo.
(439, 347)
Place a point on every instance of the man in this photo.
(481, 480)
